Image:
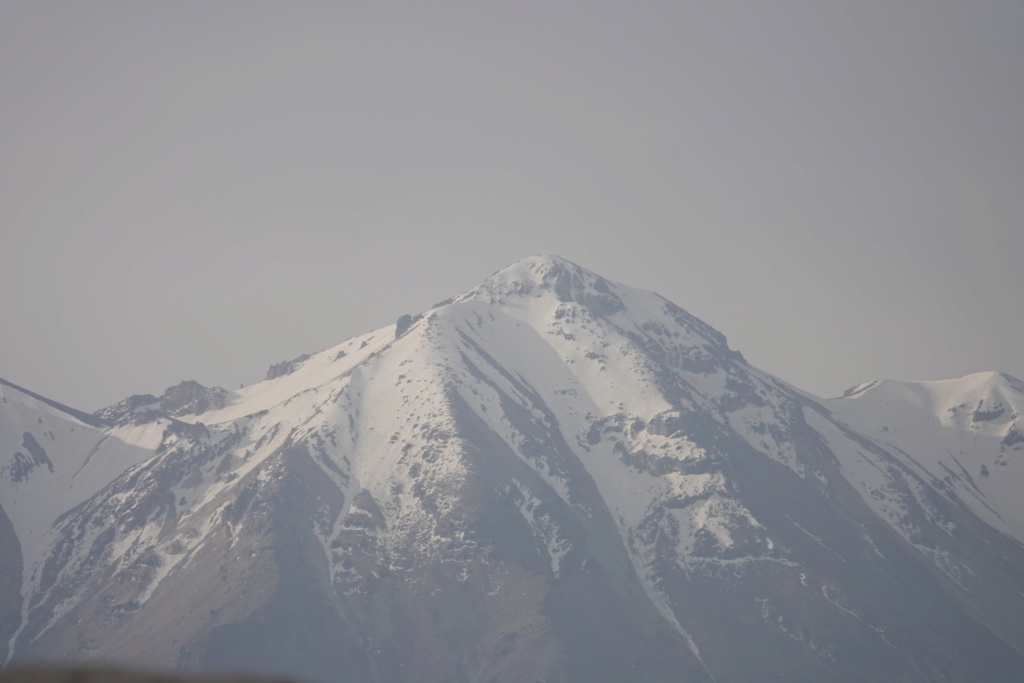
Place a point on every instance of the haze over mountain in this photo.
(195, 189)
(549, 477)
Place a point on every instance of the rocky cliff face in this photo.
(550, 477)
(188, 398)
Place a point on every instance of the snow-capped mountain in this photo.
(550, 477)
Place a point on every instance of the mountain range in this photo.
(551, 477)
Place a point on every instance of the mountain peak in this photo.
(486, 481)
(542, 262)
(566, 281)
(536, 271)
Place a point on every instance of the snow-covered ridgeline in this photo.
(964, 437)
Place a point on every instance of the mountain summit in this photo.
(549, 477)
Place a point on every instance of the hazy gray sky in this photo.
(195, 190)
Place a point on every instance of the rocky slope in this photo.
(550, 477)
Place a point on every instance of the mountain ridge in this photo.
(551, 475)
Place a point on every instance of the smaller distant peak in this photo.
(990, 381)
(978, 381)
(995, 377)
(982, 392)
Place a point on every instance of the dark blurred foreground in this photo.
(103, 674)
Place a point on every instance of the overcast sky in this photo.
(196, 190)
